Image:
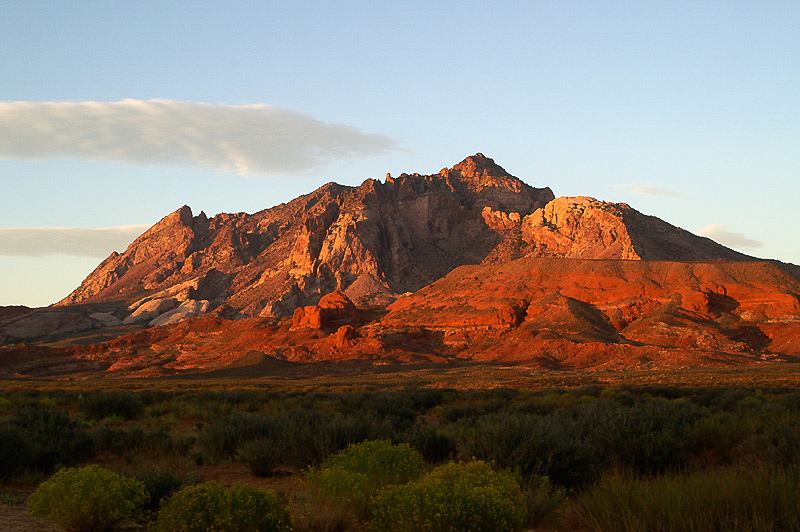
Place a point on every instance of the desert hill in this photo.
(470, 263)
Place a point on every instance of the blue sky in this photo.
(113, 114)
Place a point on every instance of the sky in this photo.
(114, 114)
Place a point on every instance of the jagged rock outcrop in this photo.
(374, 241)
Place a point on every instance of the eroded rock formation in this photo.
(470, 263)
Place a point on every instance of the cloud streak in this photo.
(720, 233)
(43, 241)
(244, 139)
(652, 191)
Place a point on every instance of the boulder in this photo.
(151, 309)
(332, 308)
(187, 309)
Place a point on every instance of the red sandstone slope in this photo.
(593, 312)
(551, 313)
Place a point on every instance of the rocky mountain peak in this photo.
(478, 165)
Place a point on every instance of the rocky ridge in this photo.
(374, 241)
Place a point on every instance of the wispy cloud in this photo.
(245, 139)
(41, 241)
(720, 233)
(651, 190)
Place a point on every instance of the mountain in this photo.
(375, 241)
(469, 263)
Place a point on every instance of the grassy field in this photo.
(689, 449)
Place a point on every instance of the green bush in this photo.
(553, 446)
(15, 452)
(435, 444)
(260, 456)
(101, 405)
(88, 499)
(714, 501)
(223, 438)
(158, 484)
(453, 497)
(648, 437)
(208, 507)
(52, 439)
(353, 475)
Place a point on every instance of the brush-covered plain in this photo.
(598, 457)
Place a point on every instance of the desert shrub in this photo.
(542, 498)
(453, 497)
(158, 484)
(51, 438)
(210, 507)
(122, 441)
(434, 444)
(89, 499)
(223, 438)
(309, 437)
(15, 452)
(183, 443)
(553, 446)
(398, 408)
(99, 405)
(5, 404)
(425, 398)
(475, 408)
(721, 434)
(778, 445)
(326, 517)
(260, 456)
(649, 437)
(356, 427)
(715, 500)
(352, 476)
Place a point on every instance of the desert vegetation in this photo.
(627, 457)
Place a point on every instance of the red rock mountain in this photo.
(373, 242)
(467, 263)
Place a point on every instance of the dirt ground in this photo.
(15, 518)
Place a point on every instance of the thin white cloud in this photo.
(42, 241)
(720, 233)
(651, 190)
(245, 139)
